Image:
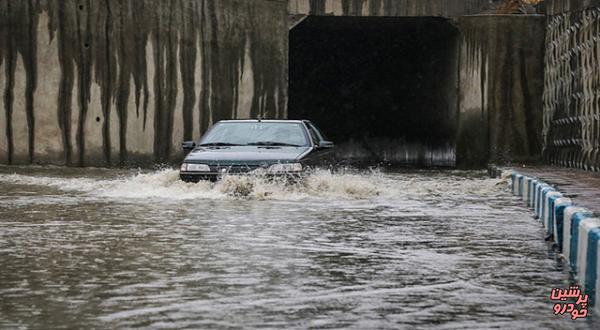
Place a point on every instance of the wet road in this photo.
(115, 249)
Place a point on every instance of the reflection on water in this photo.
(84, 248)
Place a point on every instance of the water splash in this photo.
(346, 184)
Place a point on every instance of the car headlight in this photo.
(185, 167)
(291, 167)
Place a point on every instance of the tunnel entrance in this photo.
(384, 89)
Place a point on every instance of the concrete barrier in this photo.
(587, 256)
(536, 195)
(518, 184)
(526, 187)
(593, 264)
(572, 214)
(575, 230)
(548, 212)
(596, 301)
(536, 199)
(541, 207)
(560, 205)
(575, 251)
(535, 183)
(531, 184)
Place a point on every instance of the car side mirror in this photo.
(326, 145)
(188, 145)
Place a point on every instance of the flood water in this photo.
(97, 248)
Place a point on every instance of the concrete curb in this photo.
(574, 230)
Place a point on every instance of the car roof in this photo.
(262, 120)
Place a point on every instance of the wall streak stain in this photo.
(500, 119)
(115, 47)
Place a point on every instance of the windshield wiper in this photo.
(273, 144)
(218, 144)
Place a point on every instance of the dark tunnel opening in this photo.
(384, 89)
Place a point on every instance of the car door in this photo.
(319, 155)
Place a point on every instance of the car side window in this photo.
(314, 136)
(316, 131)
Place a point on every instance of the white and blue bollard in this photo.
(576, 221)
(517, 183)
(541, 189)
(597, 300)
(571, 214)
(587, 255)
(543, 207)
(531, 192)
(526, 181)
(593, 265)
(560, 204)
(548, 220)
(535, 194)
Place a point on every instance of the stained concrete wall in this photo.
(501, 85)
(554, 7)
(94, 82)
(447, 8)
(107, 82)
(571, 107)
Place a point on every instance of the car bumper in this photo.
(197, 177)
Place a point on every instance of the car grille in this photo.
(234, 168)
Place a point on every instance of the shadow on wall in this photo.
(384, 89)
(119, 82)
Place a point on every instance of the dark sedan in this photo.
(271, 147)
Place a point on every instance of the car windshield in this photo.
(256, 133)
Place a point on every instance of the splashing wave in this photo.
(345, 184)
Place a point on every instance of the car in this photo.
(269, 147)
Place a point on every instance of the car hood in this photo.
(247, 155)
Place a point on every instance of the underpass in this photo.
(385, 89)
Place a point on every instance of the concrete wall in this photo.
(500, 89)
(554, 7)
(112, 82)
(571, 107)
(446, 8)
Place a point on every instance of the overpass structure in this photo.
(434, 82)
